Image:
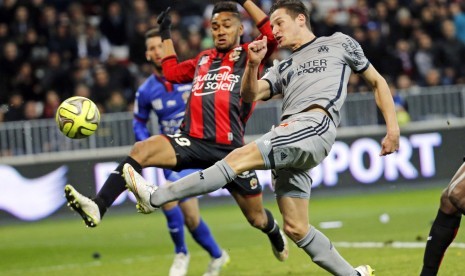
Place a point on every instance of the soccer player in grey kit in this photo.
(313, 83)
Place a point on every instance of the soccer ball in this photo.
(77, 117)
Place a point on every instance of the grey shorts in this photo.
(291, 149)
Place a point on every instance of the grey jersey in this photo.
(317, 74)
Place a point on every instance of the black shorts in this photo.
(193, 153)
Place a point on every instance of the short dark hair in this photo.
(293, 8)
(152, 33)
(225, 6)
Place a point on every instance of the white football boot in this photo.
(215, 265)
(140, 188)
(180, 265)
(83, 205)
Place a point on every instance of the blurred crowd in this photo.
(53, 49)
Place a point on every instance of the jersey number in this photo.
(182, 141)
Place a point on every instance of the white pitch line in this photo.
(396, 244)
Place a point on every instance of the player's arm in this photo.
(141, 115)
(253, 89)
(385, 103)
(173, 70)
(257, 15)
(263, 24)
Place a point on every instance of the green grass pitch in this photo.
(133, 244)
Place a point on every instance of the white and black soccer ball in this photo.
(77, 117)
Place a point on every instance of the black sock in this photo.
(272, 230)
(114, 186)
(441, 235)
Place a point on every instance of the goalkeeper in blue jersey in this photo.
(168, 102)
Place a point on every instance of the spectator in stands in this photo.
(404, 83)
(27, 84)
(430, 23)
(137, 43)
(93, 44)
(375, 49)
(433, 78)
(459, 20)
(113, 26)
(402, 27)
(139, 12)
(77, 17)
(403, 56)
(451, 51)
(82, 73)
(33, 48)
(21, 23)
(102, 88)
(64, 43)
(15, 110)
(52, 101)
(10, 62)
(424, 57)
(120, 77)
(116, 102)
(49, 21)
(32, 110)
(55, 76)
(82, 90)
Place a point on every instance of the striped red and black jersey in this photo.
(215, 110)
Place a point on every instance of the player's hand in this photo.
(389, 144)
(257, 50)
(164, 20)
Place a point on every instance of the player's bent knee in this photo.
(295, 232)
(256, 220)
(139, 152)
(457, 197)
(245, 158)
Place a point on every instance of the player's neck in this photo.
(158, 72)
(304, 38)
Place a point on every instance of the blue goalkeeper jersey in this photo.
(166, 100)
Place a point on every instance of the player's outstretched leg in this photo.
(140, 188)
(93, 209)
(84, 206)
(216, 264)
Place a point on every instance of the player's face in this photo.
(285, 28)
(226, 30)
(154, 52)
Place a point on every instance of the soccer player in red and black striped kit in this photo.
(213, 125)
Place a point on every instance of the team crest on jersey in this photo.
(204, 60)
(235, 54)
(185, 96)
(323, 49)
(253, 183)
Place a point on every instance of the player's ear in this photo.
(301, 19)
(147, 57)
(241, 29)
